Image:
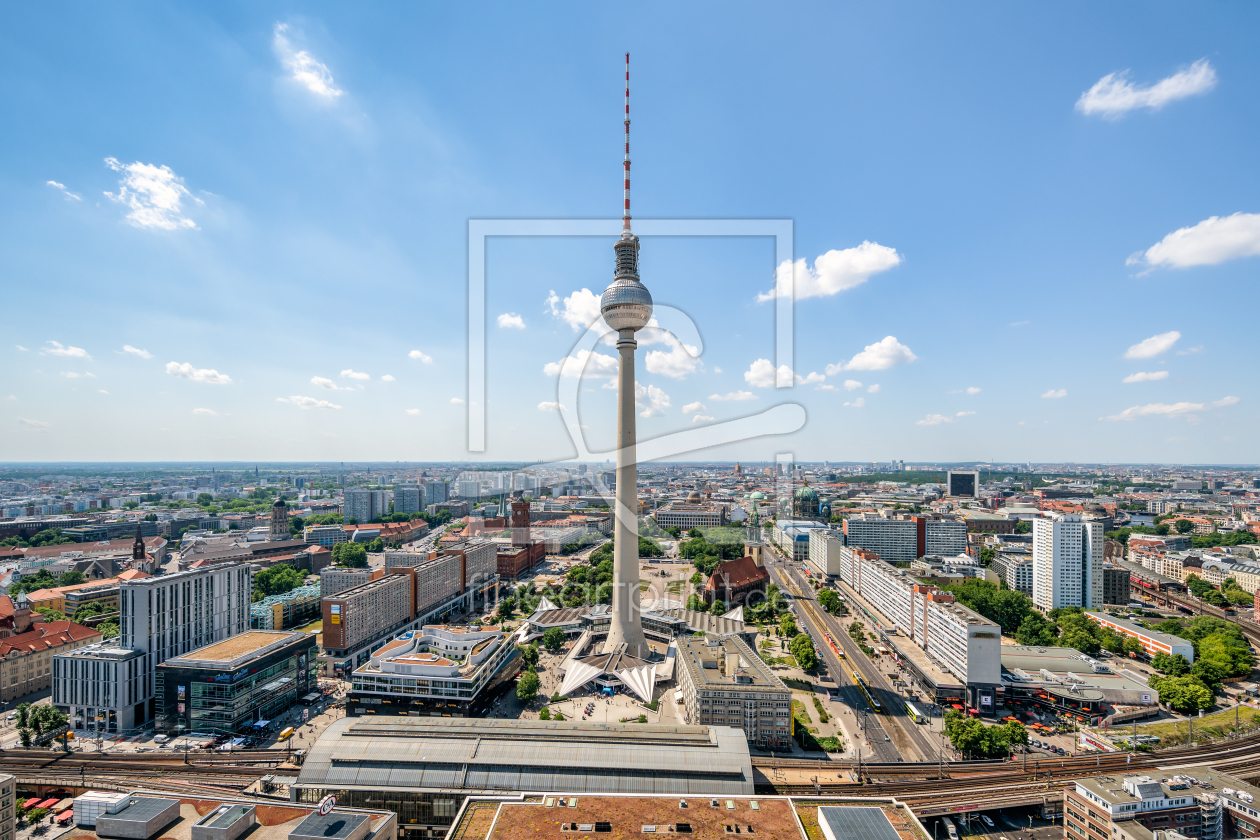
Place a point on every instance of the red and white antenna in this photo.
(625, 214)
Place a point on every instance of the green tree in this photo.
(695, 602)
(787, 625)
(529, 654)
(545, 714)
(697, 579)
(507, 606)
(1183, 526)
(23, 714)
(1036, 631)
(376, 546)
(829, 601)
(71, 578)
(277, 580)
(1185, 694)
(108, 629)
(350, 555)
(83, 613)
(553, 640)
(802, 648)
(527, 685)
(1174, 666)
(50, 614)
(24, 735)
(717, 607)
(204, 499)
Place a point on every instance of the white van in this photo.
(160, 739)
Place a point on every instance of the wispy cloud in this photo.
(136, 351)
(205, 412)
(327, 384)
(62, 187)
(416, 354)
(1178, 409)
(857, 403)
(456, 401)
(152, 194)
(21, 349)
(1212, 241)
(733, 396)
(1052, 394)
(883, 354)
(209, 376)
(550, 406)
(307, 403)
(833, 272)
(1114, 95)
(414, 412)
(35, 424)
(512, 321)
(702, 418)
(874, 389)
(55, 348)
(354, 374)
(934, 420)
(302, 67)
(583, 363)
(1190, 351)
(1143, 376)
(1156, 345)
(964, 414)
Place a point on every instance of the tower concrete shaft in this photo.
(627, 624)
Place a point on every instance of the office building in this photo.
(366, 612)
(363, 504)
(109, 686)
(1067, 563)
(1120, 807)
(26, 659)
(962, 483)
(824, 551)
(1152, 642)
(1116, 584)
(900, 539)
(723, 683)
(792, 537)
(952, 651)
(229, 685)
(468, 490)
(442, 670)
(408, 499)
(8, 807)
(295, 608)
(325, 535)
(457, 509)
(436, 492)
(334, 580)
(692, 513)
(1015, 570)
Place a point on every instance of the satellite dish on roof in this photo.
(326, 805)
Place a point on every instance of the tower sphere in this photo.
(626, 304)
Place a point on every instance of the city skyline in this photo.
(1013, 241)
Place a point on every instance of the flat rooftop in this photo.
(245, 646)
(1062, 661)
(695, 652)
(1137, 629)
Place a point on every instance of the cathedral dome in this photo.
(806, 494)
(694, 496)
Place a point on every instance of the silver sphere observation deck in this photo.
(626, 304)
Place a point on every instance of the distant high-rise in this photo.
(1067, 563)
(962, 483)
(408, 499)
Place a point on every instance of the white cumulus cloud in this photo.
(1052, 394)
(307, 403)
(1213, 240)
(702, 418)
(69, 195)
(136, 351)
(579, 310)
(964, 414)
(680, 360)
(874, 389)
(651, 399)
(456, 401)
(972, 391)
(852, 384)
(301, 67)
(762, 374)
(208, 376)
(416, 354)
(1143, 376)
(693, 408)
(833, 272)
(1224, 401)
(387, 378)
(205, 412)
(550, 406)
(510, 320)
(55, 348)
(857, 403)
(1114, 95)
(883, 354)
(583, 363)
(413, 411)
(354, 374)
(1156, 345)
(733, 396)
(327, 384)
(153, 195)
(933, 420)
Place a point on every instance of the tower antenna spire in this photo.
(625, 213)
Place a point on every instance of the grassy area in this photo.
(1213, 727)
(644, 584)
(799, 685)
(676, 586)
(314, 627)
(802, 716)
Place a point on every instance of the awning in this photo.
(66, 816)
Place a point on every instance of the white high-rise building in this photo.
(1067, 563)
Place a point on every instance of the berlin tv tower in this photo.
(626, 306)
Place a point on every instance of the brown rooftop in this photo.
(236, 646)
(627, 815)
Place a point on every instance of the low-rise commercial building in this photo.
(691, 514)
(791, 536)
(1152, 642)
(1133, 807)
(294, 608)
(724, 683)
(326, 535)
(444, 670)
(229, 685)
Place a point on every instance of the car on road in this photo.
(984, 817)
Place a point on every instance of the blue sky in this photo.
(1003, 213)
